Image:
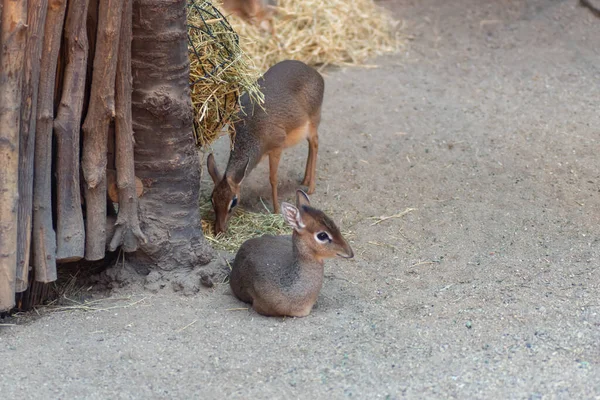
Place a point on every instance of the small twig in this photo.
(484, 22)
(8, 324)
(588, 4)
(187, 326)
(340, 278)
(211, 21)
(237, 309)
(264, 205)
(384, 218)
(424, 263)
(84, 307)
(228, 264)
(446, 287)
(383, 245)
(211, 239)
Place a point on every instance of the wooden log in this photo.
(13, 37)
(70, 233)
(36, 18)
(92, 25)
(95, 222)
(127, 232)
(95, 128)
(43, 235)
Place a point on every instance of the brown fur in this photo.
(283, 275)
(292, 112)
(255, 12)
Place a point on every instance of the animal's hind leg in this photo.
(310, 177)
(264, 309)
(307, 169)
(274, 157)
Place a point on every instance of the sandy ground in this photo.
(487, 126)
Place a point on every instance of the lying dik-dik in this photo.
(283, 275)
(292, 111)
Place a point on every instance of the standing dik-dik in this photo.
(292, 111)
(283, 275)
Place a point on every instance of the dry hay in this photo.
(321, 32)
(225, 64)
(243, 225)
(219, 72)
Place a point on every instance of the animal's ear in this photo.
(238, 176)
(212, 169)
(292, 216)
(302, 199)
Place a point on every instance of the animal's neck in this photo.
(303, 254)
(246, 149)
(308, 271)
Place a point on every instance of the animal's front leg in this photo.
(274, 158)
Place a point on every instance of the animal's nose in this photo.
(348, 252)
(220, 226)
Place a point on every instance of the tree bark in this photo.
(165, 155)
(70, 234)
(13, 36)
(127, 233)
(95, 128)
(44, 238)
(36, 18)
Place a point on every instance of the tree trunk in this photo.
(127, 232)
(165, 155)
(13, 36)
(70, 236)
(36, 18)
(95, 128)
(43, 236)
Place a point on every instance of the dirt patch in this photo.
(486, 126)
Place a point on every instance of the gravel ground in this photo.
(487, 126)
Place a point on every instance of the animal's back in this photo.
(259, 262)
(293, 93)
(292, 84)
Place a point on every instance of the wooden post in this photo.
(95, 128)
(44, 238)
(70, 233)
(127, 232)
(36, 18)
(13, 36)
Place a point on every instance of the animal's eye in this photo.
(323, 237)
(234, 202)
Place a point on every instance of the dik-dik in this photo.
(256, 12)
(293, 94)
(283, 275)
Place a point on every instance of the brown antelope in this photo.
(293, 94)
(255, 12)
(283, 275)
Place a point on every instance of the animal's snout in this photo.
(220, 225)
(347, 253)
